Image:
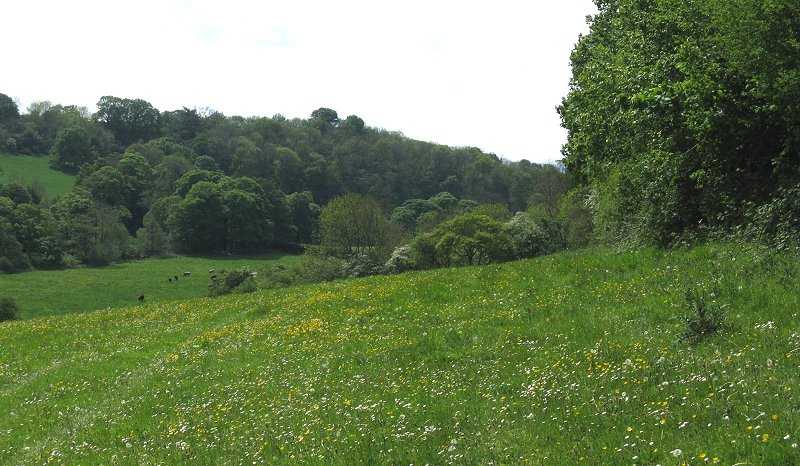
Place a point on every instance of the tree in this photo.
(151, 239)
(9, 121)
(185, 183)
(353, 224)
(469, 239)
(197, 223)
(305, 216)
(9, 112)
(246, 224)
(107, 185)
(71, 150)
(12, 256)
(682, 115)
(130, 120)
(36, 231)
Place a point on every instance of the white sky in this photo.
(460, 73)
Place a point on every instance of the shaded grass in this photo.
(53, 292)
(35, 170)
(564, 359)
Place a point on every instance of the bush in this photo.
(400, 260)
(364, 264)
(529, 239)
(8, 309)
(706, 318)
(234, 281)
(777, 222)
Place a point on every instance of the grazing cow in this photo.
(176, 278)
(169, 280)
(141, 298)
(212, 270)
(213, 277)
(186, 274)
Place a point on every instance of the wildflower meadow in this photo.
(580, 357)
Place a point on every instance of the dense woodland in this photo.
(684, 125)
(150, 183)
(684, 119)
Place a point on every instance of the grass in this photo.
(43, 293)
(35, 170)
(567, 359)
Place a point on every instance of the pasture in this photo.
(52, 292)
(566, 359)
(35, 170)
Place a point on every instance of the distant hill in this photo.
(575, 358)
(35, 170)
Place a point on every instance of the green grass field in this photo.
(54, 292)
(567, 359)
(28, 169)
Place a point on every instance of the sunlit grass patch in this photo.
(560, 360)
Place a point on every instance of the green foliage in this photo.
(469, 239)
(130, 120)
(151, 239)
(12, 256)
(8, 309)
(706, 317)
(402, 259)
(305, 216)
(353, 224)
(528, 238)
(71, 149)
(233, 281)
(197, 222)
(9, 113)
(683, 114)
(575, 216)
(777, 222)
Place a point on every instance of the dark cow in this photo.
(186, 274)
(141, 298)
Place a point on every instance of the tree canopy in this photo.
(681, 114)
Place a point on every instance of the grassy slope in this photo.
(37, 170)
(42, 293)
(558, 360)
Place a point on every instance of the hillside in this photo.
(35, 170)
(562, 359)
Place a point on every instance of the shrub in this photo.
(777, 222)
(364, 264)
(8, 309)
(400, 260)
(236, 280)
(706, 318)
(529, 239)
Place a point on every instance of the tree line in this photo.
(684, 120)
(150, 183)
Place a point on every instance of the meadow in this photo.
(35, 170)
(53, 292)
(565, 359)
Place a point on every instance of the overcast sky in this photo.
(460, 73)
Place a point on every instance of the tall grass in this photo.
(566, 359)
